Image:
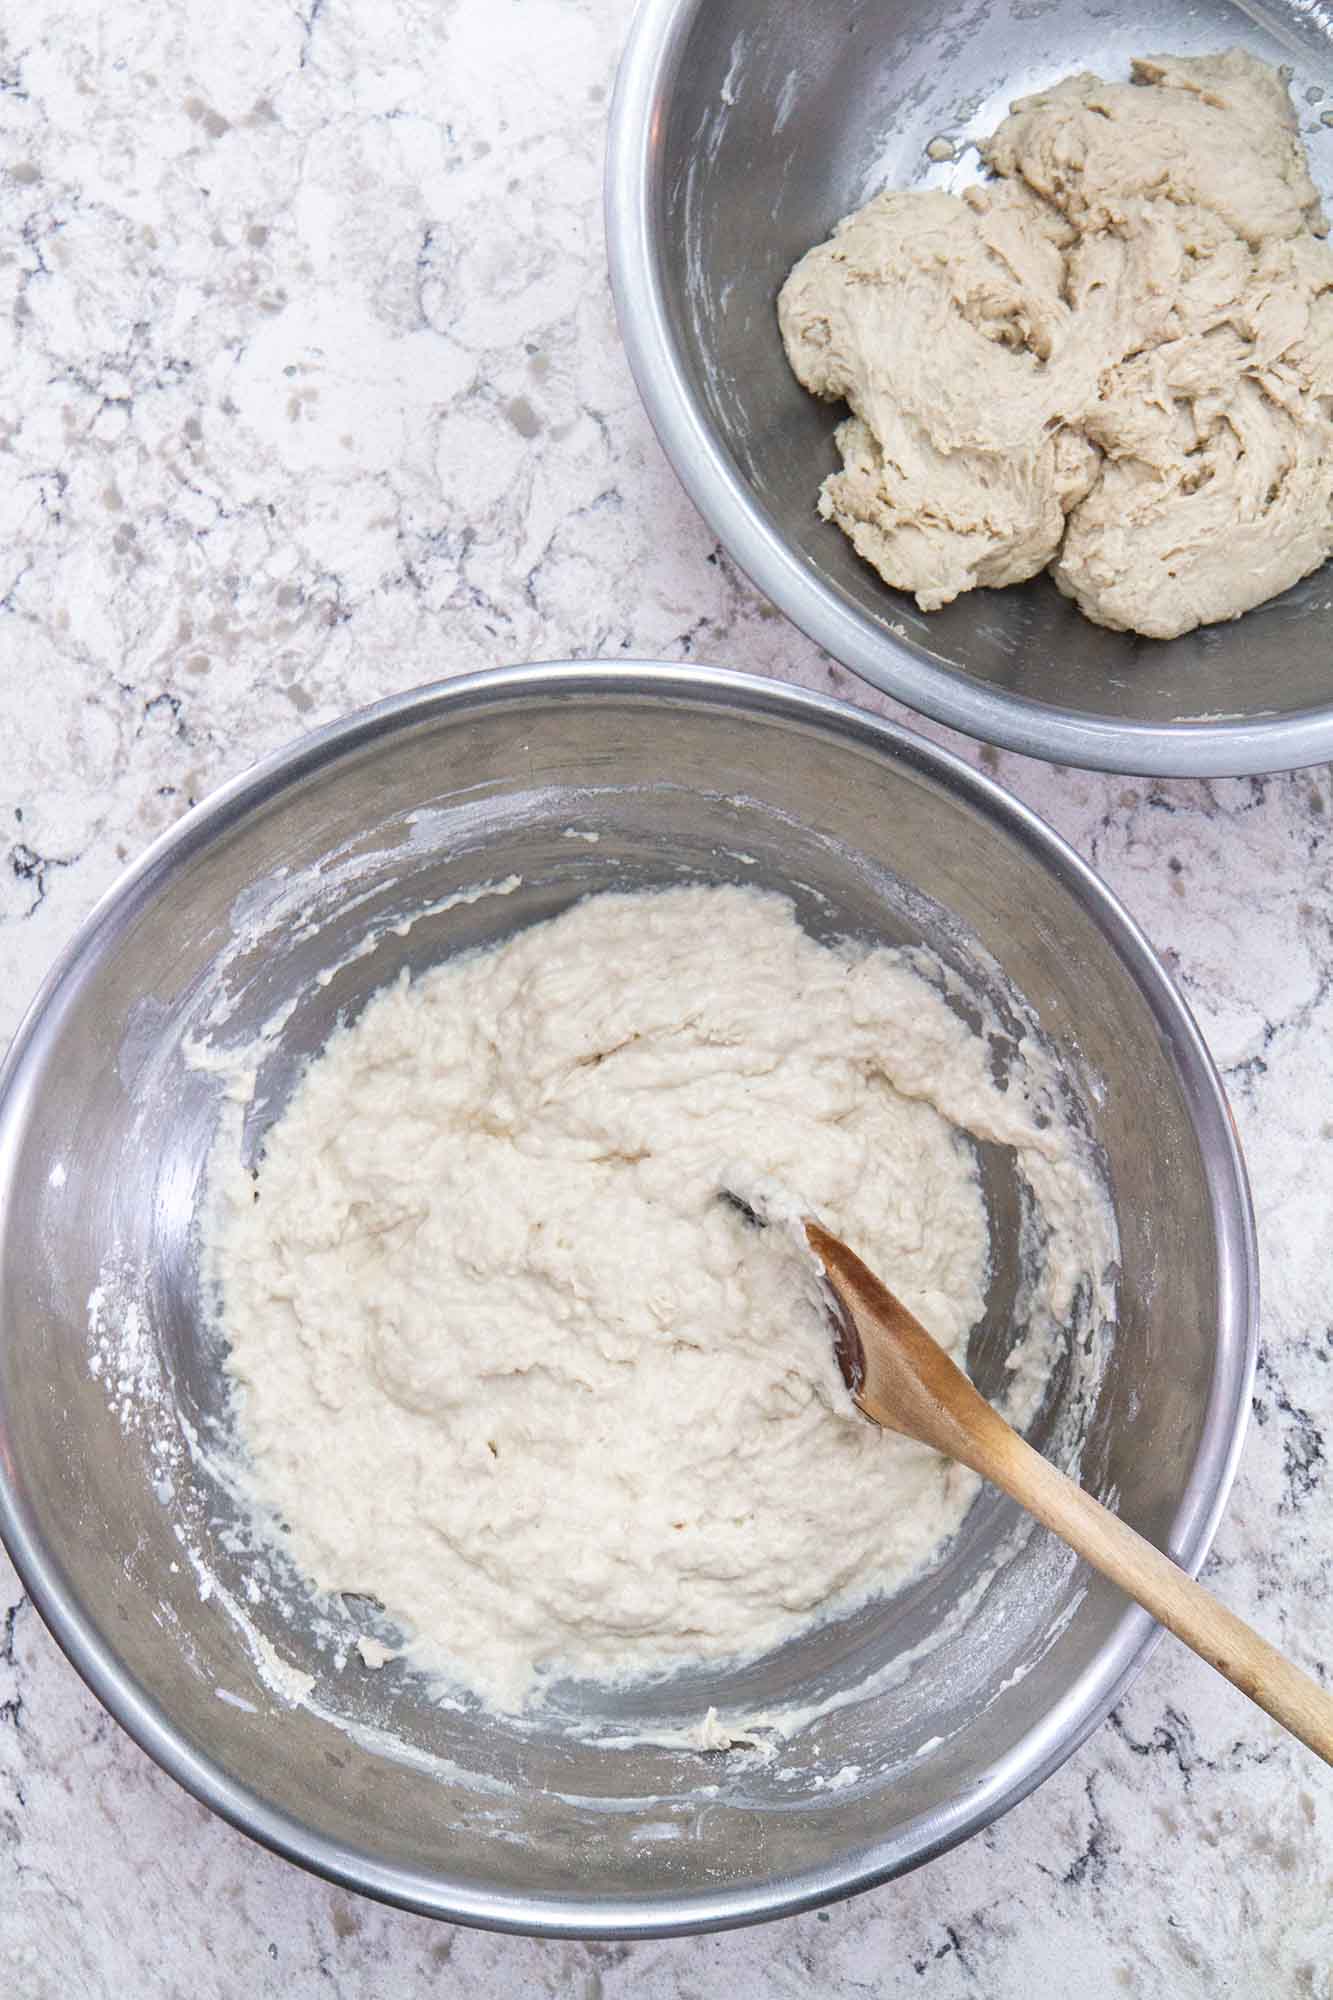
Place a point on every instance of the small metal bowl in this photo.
(288, 898)
(741, 131)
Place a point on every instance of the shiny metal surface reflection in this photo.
(740, 133)
(105, 1123)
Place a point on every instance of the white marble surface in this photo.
(310, 391)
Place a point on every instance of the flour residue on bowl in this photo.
(122, 1348)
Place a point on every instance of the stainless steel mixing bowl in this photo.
(741, 131)
(360, 838)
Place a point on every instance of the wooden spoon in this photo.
(904, 1381)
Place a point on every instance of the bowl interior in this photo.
(954, 1696)
(778, 120)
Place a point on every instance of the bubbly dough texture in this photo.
(1115, 359)
(507, 1363)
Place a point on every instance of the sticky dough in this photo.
(1115, 359)
(506, 1362)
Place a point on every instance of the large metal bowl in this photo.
(360, 837)
(741, 131)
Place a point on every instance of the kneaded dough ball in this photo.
(1116, 359)
(941, 323)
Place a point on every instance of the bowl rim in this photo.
(1084, 1703)
(1215, 749)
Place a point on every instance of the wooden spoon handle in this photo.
(903, 1380)
(1161, 1587)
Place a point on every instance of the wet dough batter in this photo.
(508, 1364)
(1116, 359)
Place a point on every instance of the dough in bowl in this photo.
(506, 1362)
(1115, 359)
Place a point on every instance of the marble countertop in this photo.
(312, 391)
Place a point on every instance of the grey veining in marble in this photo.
(311, 390)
